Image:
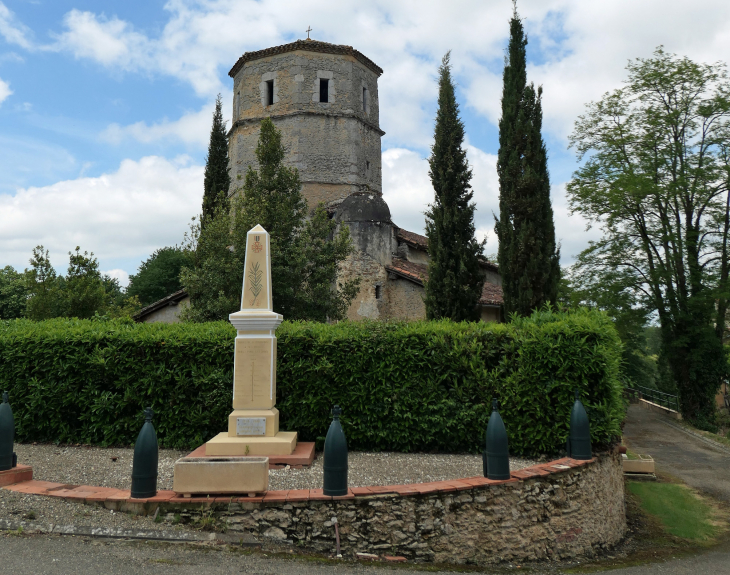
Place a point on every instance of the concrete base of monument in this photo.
(302, 456)
(221, 475)
(283, 443)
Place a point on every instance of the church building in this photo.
(324, 99)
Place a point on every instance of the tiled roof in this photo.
(417, 273)
(309, 46)
(421, 243)
(408, 270)
(491, 295)
(173, 298)
(415, 240)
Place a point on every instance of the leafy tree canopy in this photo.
(305, 252)
(159, 275)
(656, 181)
(83, 293)
(12, 293)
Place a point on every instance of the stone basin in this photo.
(221, 475)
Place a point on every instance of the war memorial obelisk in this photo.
(253, 426)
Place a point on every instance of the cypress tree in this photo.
(455, 280)
(217, 180)
(529, 259)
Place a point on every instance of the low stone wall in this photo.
(561, 509)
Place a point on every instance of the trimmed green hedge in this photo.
(402, 386)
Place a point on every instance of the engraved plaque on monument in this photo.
(250, 426)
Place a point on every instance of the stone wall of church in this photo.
(335, 145)
(405, 300)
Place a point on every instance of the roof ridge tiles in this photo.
(308, 45)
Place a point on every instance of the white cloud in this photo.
(407, 189)
(581, 47)
(118, 274)
(13, 31)
(5, 90)
(570, 230)
(111, 42)
(129, 213)
(191, 128)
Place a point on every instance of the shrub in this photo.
(403, 386)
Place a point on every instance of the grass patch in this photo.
(681, 512)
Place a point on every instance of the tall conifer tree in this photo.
(217, 180)
(529, 259)
(455, 280)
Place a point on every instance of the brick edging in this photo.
(107, 495)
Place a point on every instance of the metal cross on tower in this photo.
(309, 29)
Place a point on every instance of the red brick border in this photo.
(20, 479)
(16, 475)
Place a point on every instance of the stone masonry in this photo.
(334, 144)
(558, 510)
(554, 516)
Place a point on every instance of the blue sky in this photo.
(105, 108)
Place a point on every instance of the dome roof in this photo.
(363, 207)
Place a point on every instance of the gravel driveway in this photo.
(696, 462)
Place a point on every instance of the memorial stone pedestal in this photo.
(237, 460)
(253, 426)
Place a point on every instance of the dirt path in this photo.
(694, 461)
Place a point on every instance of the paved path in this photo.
(694, 461)
(45, 554)
(52, 554)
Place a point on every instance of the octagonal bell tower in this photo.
(324, 99)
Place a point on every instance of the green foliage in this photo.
(13, 293)
(159, 275)
(84, 290)
(81, 381)
(84, 293)
(305, 253)
(638, 362)
(655, 180)
(403, 386)
(217, 180)
(529, 258)
(45, 288)
(455, 280)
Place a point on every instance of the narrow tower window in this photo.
(324, 95)
(365, 100)
(378, 292)
(269, 92)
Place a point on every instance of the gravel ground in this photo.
(112, 467)
(387, 468)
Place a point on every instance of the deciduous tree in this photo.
(656, 180)
(13, 293)
(159, 275)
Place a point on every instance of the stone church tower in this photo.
(324, 99)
